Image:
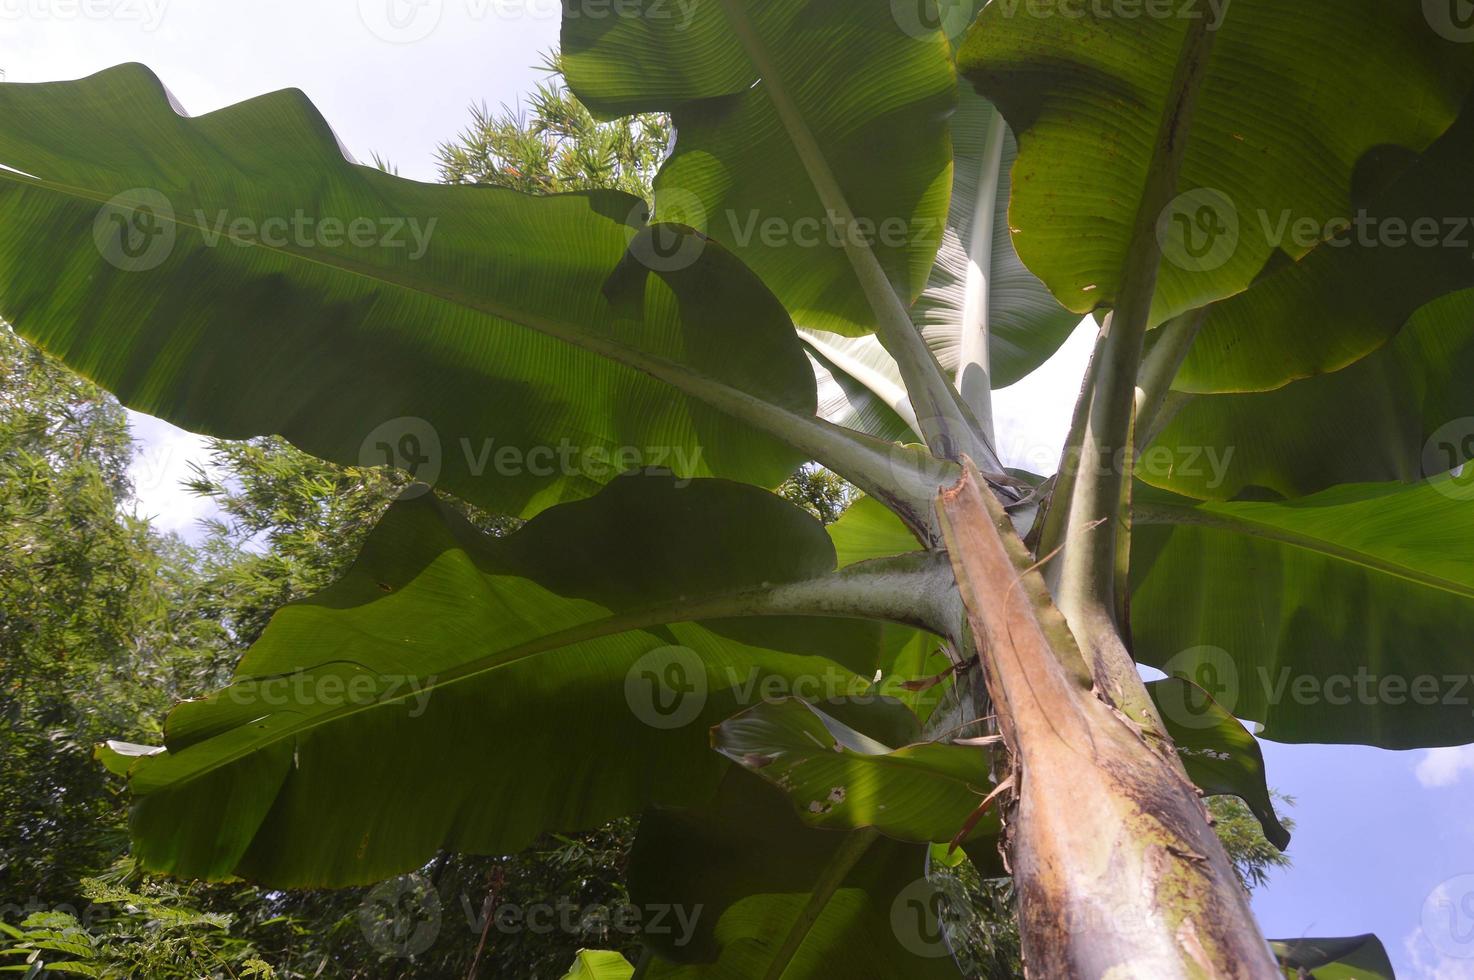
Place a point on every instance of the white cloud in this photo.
(1445, 767)
(1429, 964)
(160, 465)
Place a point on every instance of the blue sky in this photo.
(1378, 832)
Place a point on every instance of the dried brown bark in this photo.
(1119, 873)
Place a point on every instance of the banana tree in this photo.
(872, 215)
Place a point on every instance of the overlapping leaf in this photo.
(776, 898)
(1409, 243)
(918, 670)
(867, 531)
(502, 687)
(841, 779)
(600, 965)
(873, 96)
(1219, 754)
(1356, 958)
(234, 274)
(1339, 617)
(1279, 130)
(1026, 325)
(1403, 412)
(977, 270)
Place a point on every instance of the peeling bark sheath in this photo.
(1119, 874)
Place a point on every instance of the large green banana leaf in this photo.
(773, 898)
(1340, 617)
(1355, 958)
(842, 779)
(872, 98)
(503, 687)
(978, 267)
(234, 274)
(1219, 754)
(1404, 412)
(600, 965)
(1408, 243)
(1296, 95)
(919, 671)
(860, 386)
(977, 270)
(869, 530)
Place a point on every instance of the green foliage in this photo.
(555, 145)
(535, 319)
(1254, 857)
(1049, 77)
(505, 311)
(288, 524)
(84, 617)
(153, 933)
(840, 778)
(820, 492)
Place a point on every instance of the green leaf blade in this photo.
(1085, 96)
(454, 324)
(875, 98)
(839, 778)
(546, 681)
(1332, 618)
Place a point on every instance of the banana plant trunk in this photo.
(1118, 871)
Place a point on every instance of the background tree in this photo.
(86, 627)
(287, 578)
(555, 145)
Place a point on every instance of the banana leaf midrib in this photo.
(746, 603)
